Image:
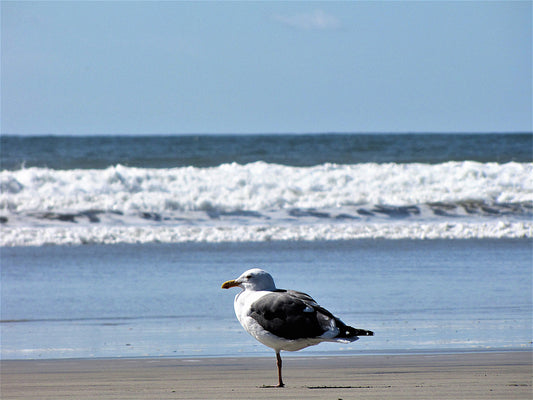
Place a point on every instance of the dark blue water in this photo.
(59, 152)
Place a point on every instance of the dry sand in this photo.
(491, 375)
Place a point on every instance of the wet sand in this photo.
(491, 375)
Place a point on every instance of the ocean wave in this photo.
(261, 186)
(239, 198)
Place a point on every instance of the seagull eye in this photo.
(248, 276)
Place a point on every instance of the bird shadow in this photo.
(338, 387)
(342, 387)
(325, 387)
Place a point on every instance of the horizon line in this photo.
(159, 134)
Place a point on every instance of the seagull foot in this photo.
(272, 386)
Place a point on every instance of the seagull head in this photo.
(254, 279)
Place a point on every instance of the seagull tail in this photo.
(351, 333)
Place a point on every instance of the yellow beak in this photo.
(230, 284)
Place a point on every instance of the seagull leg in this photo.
(278, 357)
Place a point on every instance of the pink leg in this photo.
(278, 357)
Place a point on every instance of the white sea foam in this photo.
(261, 201)
(30, 236)
(261, 186)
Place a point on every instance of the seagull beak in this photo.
(230, 284)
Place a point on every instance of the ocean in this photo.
(80, 190)
(116, 246)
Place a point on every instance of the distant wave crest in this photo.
(261, 186)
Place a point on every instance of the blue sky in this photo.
(265, 67)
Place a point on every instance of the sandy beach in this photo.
(491, 375)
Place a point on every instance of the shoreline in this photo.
(473, 375)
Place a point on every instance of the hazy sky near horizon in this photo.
(120, 67)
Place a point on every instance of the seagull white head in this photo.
(254, 279)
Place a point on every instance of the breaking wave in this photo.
(262, 201)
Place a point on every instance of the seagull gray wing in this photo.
(292, 315)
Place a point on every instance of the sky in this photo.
(171, 67)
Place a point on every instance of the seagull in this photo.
(285, 319)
